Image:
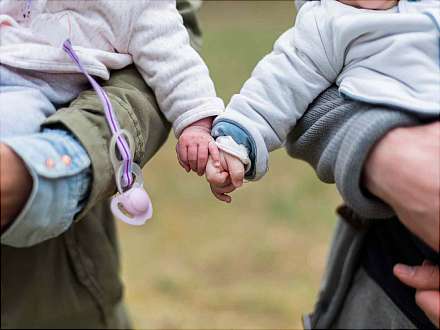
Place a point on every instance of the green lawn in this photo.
(255, 263)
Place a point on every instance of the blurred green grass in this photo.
(255, 263)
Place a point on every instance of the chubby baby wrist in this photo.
(203, 123)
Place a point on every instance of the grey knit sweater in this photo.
(335, 137)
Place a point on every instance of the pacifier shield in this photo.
(133, 207)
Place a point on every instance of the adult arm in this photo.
(381, 166)
(335, 136)
(403, 169)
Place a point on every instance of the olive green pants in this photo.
(73, 281)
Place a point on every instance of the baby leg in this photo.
(22, 110)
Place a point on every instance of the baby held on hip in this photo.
(360, 45)
(144, 32)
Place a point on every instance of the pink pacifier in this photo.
(132, 206)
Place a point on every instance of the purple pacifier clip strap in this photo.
(123, 147)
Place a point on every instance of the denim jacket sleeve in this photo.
(60, 169)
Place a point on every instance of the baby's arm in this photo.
(279, 91)
(185, 93)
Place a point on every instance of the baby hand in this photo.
(224, 177)
(192, 148)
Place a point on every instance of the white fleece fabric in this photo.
(111, 35)
(387, 57)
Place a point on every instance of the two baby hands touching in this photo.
(223, 162)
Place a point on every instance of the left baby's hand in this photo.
(192, 148)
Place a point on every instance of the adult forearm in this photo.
(403, 169)
(339, 137)
(335, 137)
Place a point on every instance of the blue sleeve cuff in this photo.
(240, 136)
(60, 169)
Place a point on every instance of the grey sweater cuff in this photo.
(363, 132)
(335, 137)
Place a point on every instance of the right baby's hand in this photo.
(225, 177)
(192, 148)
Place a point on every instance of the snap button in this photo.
(50, 163)
(66, 160)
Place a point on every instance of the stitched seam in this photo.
(107, 166)
(84, 277)
(133, 118)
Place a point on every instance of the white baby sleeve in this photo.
(281, 87)
(161, 50)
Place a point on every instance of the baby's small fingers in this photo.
(224, 198)
(236, 170)
(192, 157)
(182, 156)
(221, 197)
(214, 152)
(215, 177)
(185, 166)
(225, 190)
(210, 168)
(202, 159)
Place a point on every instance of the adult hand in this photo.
(425, 279)
(15, 185)
(404, 171)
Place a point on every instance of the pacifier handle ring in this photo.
(127, 164)
(136, 170)
(112, 149)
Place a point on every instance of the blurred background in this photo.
(256, 263)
